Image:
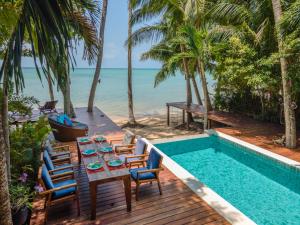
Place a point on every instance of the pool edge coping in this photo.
(214, 200)
(256, 148)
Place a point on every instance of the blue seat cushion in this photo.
(63, 192)
(48, 160)
(63, 171)
(46, 178)
(142, 176)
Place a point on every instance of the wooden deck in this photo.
(177, 205)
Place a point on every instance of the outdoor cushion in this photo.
(67, 120)
(46, 178)
(142, 176)
(63, 192)
(60, 118)
(140, 147)
(154, 159)
(48, 161)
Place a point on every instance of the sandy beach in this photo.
(155, 127)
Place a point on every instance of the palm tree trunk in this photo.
(131, 118)
(289, 113)
(5, 211)
(196, 90)
(201, 72)
(5, 125)
(188, 86)
(67, 96)
(50, 86)
(100, 56)
(207, 104)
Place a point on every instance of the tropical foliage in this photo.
(251, 48)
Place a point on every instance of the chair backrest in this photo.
(50, 105)
(128, 138)
(46, 178)
(48, 160)
(140, 147)
(154, 159)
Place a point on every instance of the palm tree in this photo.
(50, 83)
(5, 210)
(50, 27)
(131, 118)
(100, 56)
(289, 113)
(196, 90)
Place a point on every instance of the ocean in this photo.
(111, 95)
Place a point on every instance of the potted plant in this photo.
(21, 198)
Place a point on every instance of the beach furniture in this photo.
(48, 107)
(106, 173)
(66, 130)
(55, 152)
(149, 173)
(57, 166)
(126, 144)
(57, 189)
(136, 154)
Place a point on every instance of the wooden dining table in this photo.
(106, 174)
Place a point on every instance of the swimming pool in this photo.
(264, 189)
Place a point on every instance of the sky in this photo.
(115, 54)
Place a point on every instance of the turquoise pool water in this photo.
(266, 191)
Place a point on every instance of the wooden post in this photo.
(168, 115)
(183, 116)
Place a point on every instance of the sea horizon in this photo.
(111, 94)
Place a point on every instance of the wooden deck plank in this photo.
(177, 204)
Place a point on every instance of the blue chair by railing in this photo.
(57, 189)
(57, 166)
(149, 173)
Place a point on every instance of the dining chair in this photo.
(57, 189)
(59, 165)
(149, 173)
(136, 154)
(60, 151)
(126, 144)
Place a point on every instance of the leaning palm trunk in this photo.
(5, 125)
(207, 104)
(196, 90)
(188, 85)
(131, 119)
(67, 96)
(289, 113)
(5, 210)
(50, 86)
(100, 56)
